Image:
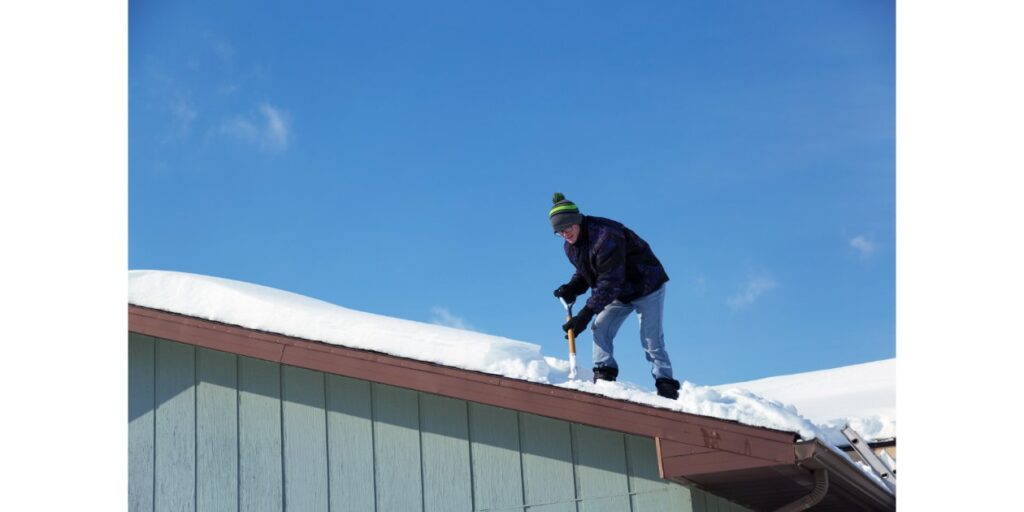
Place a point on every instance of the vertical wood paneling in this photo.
(650, 492)
(305, 439)
(497, 471)
(175, 442)
(681, 497)
(717, 504)
(728, 506)
(396, 448)
(548, 480)
(259, 435)
(216, 430)
(446, 470)
(601, 469)
(350, 444)
(700, 501)
(141, 381)
(713, 503)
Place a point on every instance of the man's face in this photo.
(571, 233)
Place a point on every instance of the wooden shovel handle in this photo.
(572, 337)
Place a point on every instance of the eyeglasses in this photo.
(563, 232)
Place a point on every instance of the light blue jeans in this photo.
(649, 309)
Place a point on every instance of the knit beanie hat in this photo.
(564, 213)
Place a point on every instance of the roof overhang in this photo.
(757, 467)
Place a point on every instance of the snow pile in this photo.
(739, 405)
(268, 309)
(862, 395)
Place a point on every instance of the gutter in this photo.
(816, 456)
(812, 499)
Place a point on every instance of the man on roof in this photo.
(624, 276)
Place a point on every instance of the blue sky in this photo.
(399, 158)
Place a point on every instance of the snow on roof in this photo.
(267, 309)
(861, 395)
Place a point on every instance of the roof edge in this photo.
(814, 454)
(536, 398)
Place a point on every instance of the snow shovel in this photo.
(572, 339)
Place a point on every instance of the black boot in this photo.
(668, 388)
(605, 373)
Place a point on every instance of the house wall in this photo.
(210, 430)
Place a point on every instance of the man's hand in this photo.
(579, 322)
(565, 293)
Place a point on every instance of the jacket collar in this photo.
(581, 240)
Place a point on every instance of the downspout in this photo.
(812, 499)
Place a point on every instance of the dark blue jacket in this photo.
(614, 262)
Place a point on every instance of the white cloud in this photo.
(750, 291)
(183, 112)
(269, 128)
(441, 316)
(276, 125)
(863, 245)
(242, 129)
(700, 286)
(228, 89)
(223, 49)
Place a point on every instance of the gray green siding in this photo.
(213, 431)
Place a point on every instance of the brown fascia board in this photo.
(690, 447)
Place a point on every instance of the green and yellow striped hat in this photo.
(564, 213)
